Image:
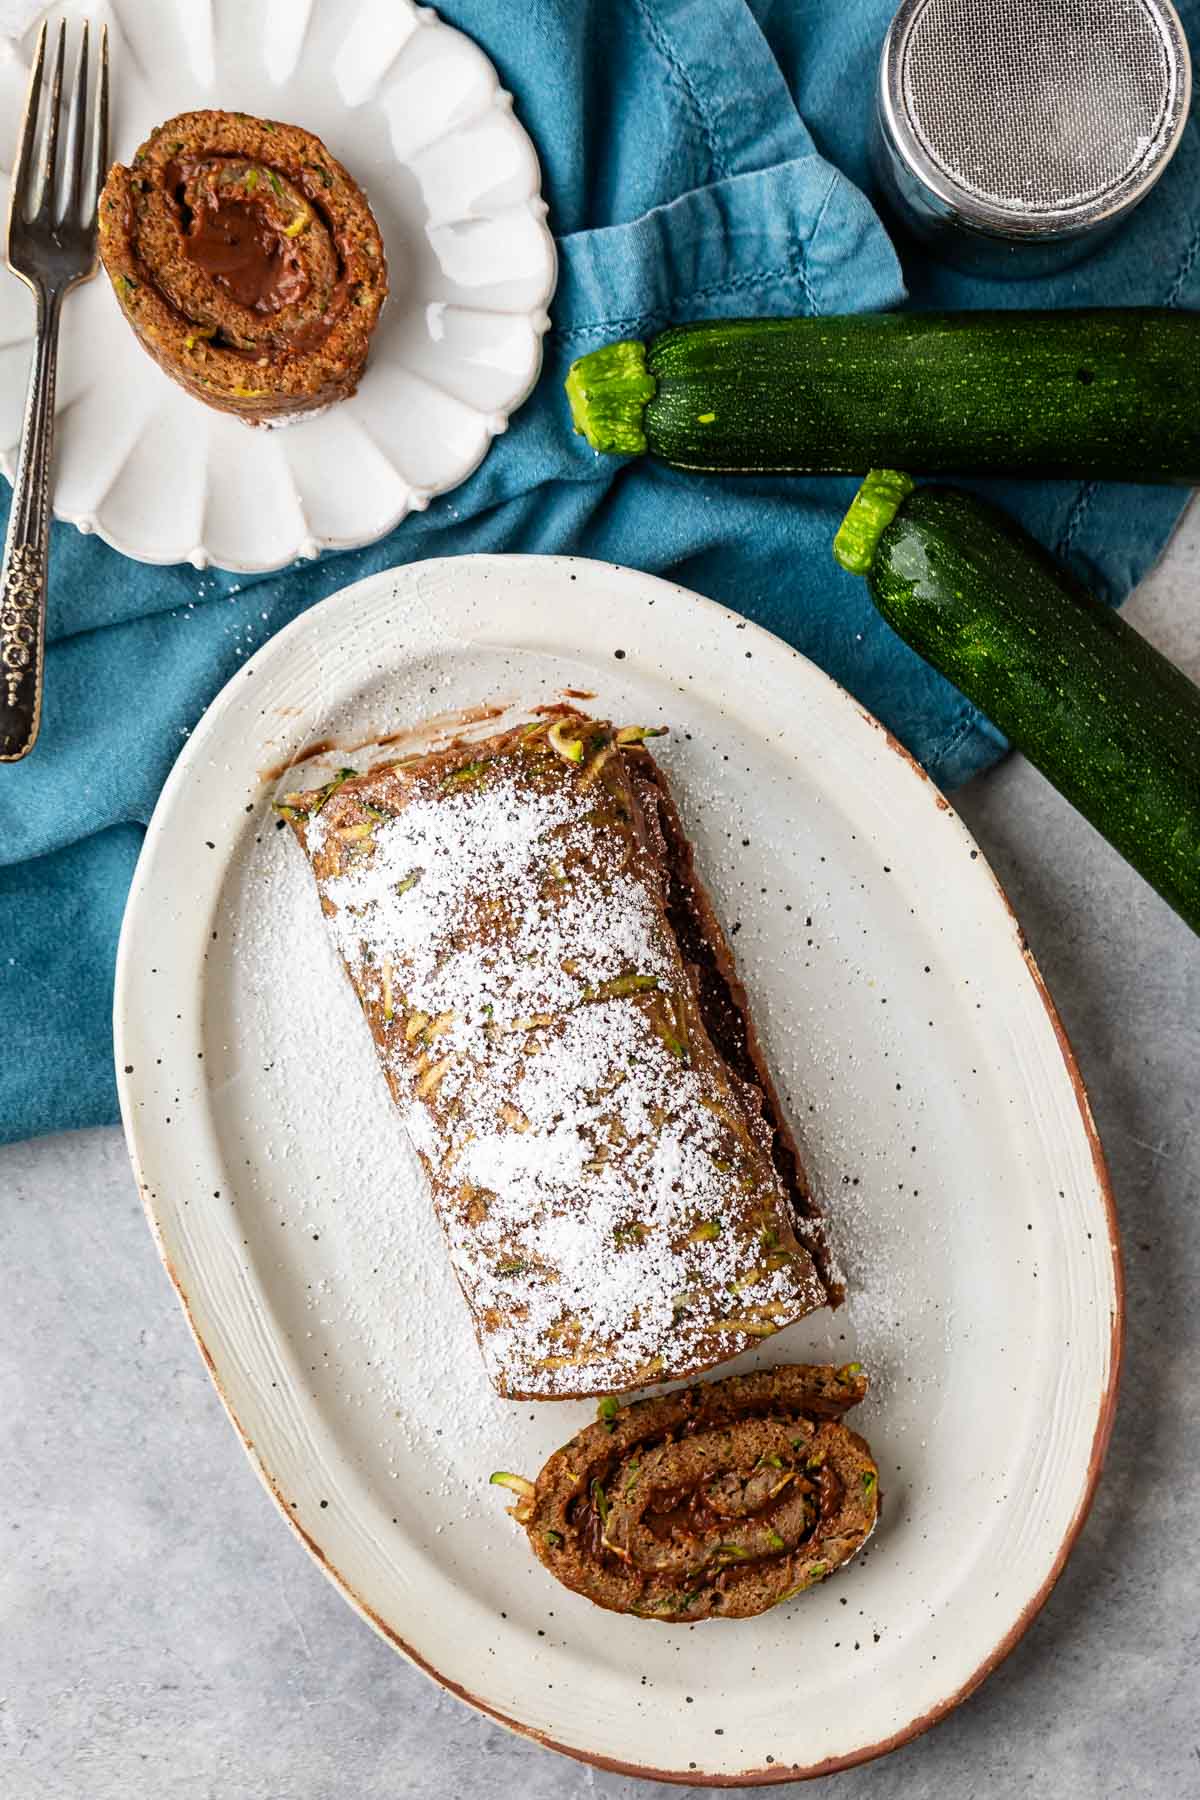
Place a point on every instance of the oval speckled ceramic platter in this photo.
(920, 1058)
(417, 114)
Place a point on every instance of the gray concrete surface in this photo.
(162, 1638)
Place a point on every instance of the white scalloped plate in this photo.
(415, 111)
(940, 1111)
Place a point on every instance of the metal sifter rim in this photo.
(989, 216)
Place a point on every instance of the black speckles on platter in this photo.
(903, 1089)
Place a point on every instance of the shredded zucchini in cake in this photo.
(606, 1196)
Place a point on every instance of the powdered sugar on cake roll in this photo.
(604, 1178)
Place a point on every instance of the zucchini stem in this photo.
(609, 389)
(872, 510)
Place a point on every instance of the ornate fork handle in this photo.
(26, 551)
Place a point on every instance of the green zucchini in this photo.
(1114, 725)
(1113, 394)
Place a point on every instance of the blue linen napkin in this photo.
(700, 158)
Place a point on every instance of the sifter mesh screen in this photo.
(1036, 105)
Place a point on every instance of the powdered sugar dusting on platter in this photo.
(380, 1291)
(379, 1321)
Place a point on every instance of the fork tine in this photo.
(100, 135)
(20, 175)
(45, 199)
(76, 121)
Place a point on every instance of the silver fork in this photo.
(52, 247)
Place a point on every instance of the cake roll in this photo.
(247, 261)
(716, 1501)
(558, 1017)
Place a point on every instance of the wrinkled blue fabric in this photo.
(701, 158)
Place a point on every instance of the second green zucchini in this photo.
(1112, 723)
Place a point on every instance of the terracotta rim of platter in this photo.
(775, 1773)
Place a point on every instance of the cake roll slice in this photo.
(558, 1017)
(247, 261)
(715, 1501)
